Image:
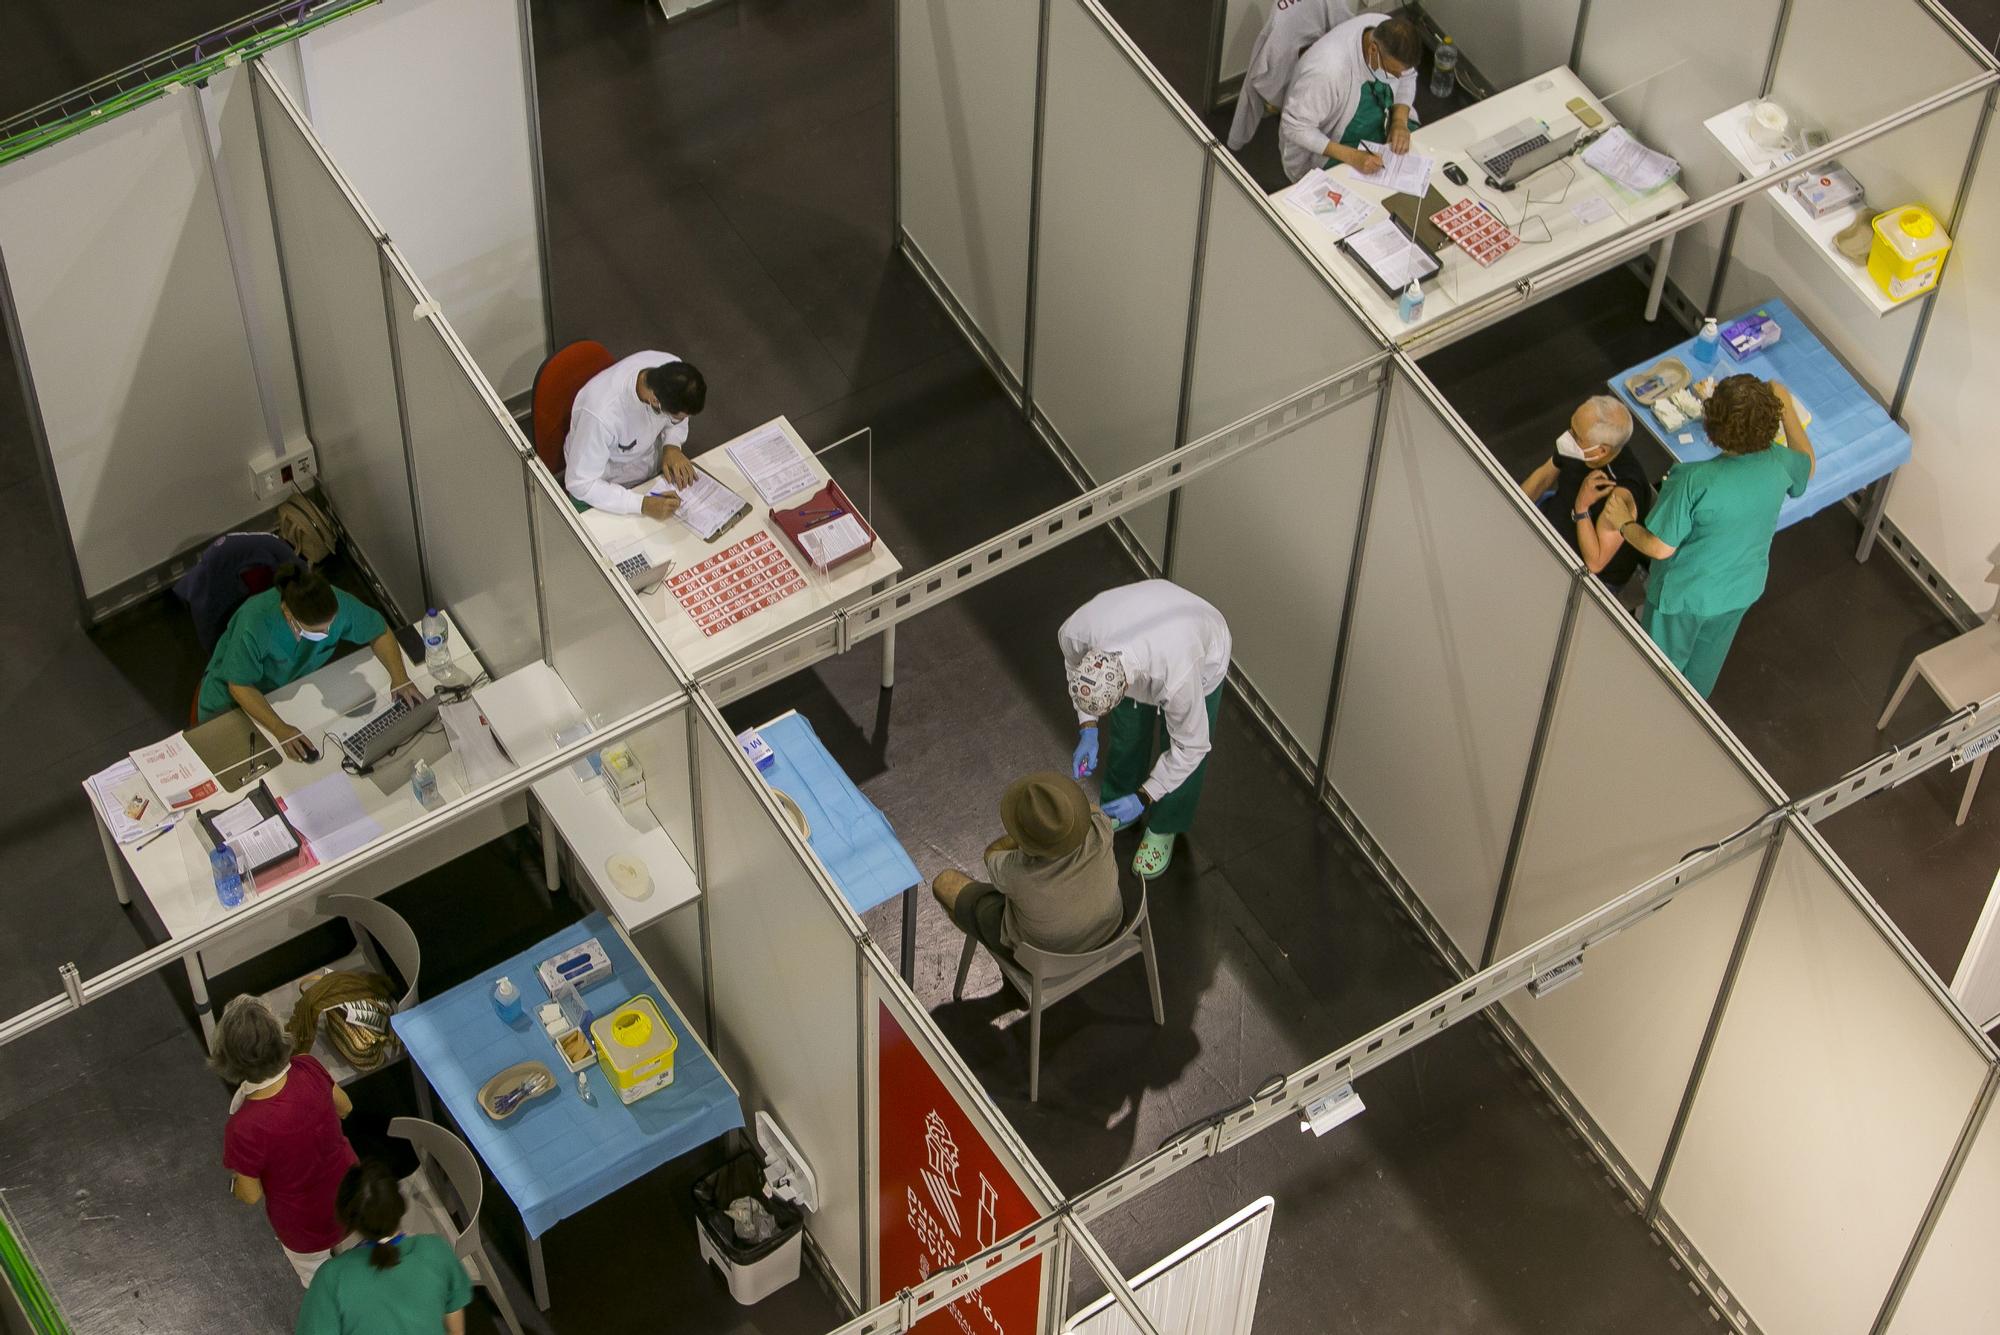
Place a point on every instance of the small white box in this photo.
(757, 750)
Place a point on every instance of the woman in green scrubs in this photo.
(284, 633)
(1710, 532)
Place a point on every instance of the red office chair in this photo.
(556, 386)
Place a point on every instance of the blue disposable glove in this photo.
(1084, 762)
(1124, 810)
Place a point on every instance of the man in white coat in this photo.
(1357, 84)
(1133, 655)
(626, 428)
(1293, 26)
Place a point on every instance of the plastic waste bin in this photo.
(754, 1269)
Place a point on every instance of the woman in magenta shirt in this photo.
(283, 1142)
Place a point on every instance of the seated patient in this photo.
(1590, 466)
(285, 633)
(1054, 883)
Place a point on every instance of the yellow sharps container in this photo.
(1907, 251)
(635, 1049)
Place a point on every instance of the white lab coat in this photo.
(615, 440)
(1326, 92)
(1175, 649)
(1293, 26)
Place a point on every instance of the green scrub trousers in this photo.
(1719, 515)
(1129, 757)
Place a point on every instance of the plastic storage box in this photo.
(636, 1049)
(1907, 251)
(753, 1270)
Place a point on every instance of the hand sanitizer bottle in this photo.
(1707, 343)
(1411, 305)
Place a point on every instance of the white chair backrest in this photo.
(461, 1170)
(375, 921)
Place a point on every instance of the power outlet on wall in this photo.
(273, 473)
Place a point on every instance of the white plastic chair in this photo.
(1961, 670)
(429, 1214)
(1044, 977)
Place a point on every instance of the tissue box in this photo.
(1752, 332)
(1821, 192)
(756, 749)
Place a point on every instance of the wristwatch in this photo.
(1578, 516)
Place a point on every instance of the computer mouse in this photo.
(312, 754)
(1454, 173)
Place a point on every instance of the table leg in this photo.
(538, 1273)
(909, 952)
(120, 884)
(551, 849)
(1663, 255)
(199, 986)
(1871, 522)
(889, 659)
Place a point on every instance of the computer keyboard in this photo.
(1498, 164)
(356, 742)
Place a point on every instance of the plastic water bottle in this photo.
(228, 878)
(1707, 343)
(1444, 69)
(1411, 304)
(436, 631)
(424, 783)
(507, 1000)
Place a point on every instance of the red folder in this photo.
(822, 507)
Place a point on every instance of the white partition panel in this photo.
(965, 102)
(1455, 625)
(595, 642)
(333, 288)
(1623, 1035)
(787, 992)
(134, 339)
(1665, 80)
(1951, 1290)
(424, 104)
(1269, 324)
(672, 944)
(1208, 1284)
(1919, 163)
(1121, 193)
(1829, 1107)
(1510, 40)
(1242, 20)
(1843, 65)
(1268, 540)
(471, 497)
(1943, 497)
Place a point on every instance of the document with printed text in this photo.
(1404, 173)
(773, 464)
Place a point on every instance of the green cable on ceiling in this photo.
(42, 136)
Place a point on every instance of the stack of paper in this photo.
(1387, 250)
(828, 543)
(773, 464)
(1401, 173)
(177, 775)
(1339, 211)
(1625, 160)
(131, 810)
(328, 816)
(707, 506)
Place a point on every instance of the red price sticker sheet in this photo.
(1474, 230)
(739, 581)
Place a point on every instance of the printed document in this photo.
(262, 844)
(1391, 254)
(706, 505)
(1319, 197)
(328, 815)
(829, 542)
(177, 775)
(1403, 173)
(131, 811)
(1625, 160)
(773, 464)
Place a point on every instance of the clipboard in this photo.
(267, 808)
(233, 748)
(823, 507)
(1392, 290)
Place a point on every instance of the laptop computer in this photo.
(367, 745)
(1519, 151)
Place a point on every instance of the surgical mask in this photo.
(1567, 447)
(314, 635)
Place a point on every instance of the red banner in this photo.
(944, 1196)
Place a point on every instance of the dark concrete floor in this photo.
(1460, 1203)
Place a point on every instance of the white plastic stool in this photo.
(1961, 672)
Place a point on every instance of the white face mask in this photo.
(1567, 447)
(314, 635)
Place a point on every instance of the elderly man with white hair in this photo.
(1135, 656)
(1589, 466)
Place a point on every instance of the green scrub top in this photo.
(260, 649)
(351, 1297)
(1719, 515)
(1371, 115)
